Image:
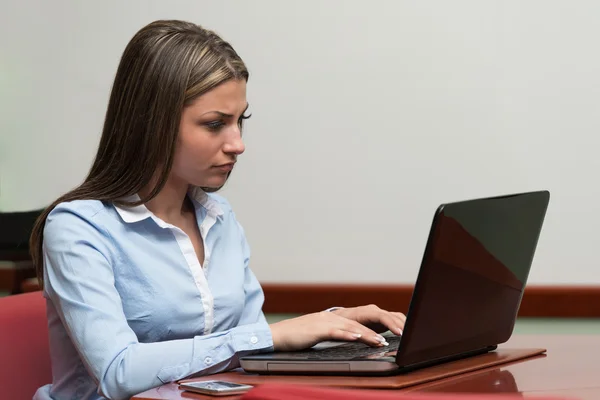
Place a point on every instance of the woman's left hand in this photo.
(375, 318)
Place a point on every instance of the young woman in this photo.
(144, 268)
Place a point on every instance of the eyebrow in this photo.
(225, 115)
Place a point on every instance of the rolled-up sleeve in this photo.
(79, 258)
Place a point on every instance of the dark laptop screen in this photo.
(474, 270)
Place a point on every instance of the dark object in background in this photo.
(15, 229)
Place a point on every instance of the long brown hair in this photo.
(165, 66)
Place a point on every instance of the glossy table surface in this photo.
(569, 368)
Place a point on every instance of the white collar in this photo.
(141, 212)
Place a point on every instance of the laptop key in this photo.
(355, 350)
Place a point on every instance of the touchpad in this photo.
(307, 366)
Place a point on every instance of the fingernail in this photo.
(399, 331)
(381, 340)
(357, 335)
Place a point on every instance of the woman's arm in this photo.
(305, 331)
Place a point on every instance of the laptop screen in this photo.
(471, 281)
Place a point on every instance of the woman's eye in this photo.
(214, 125)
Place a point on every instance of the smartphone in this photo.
(215, 388)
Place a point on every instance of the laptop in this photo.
(465, 301)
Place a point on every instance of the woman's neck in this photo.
(169, 205)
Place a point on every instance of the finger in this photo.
(367, 335)
(374, 314)
(343, 335)
(401, 316)
(400, 320)
(392, 322)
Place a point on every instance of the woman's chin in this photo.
(214, 182)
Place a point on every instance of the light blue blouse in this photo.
(130, 307)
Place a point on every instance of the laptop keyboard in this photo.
(355, 350)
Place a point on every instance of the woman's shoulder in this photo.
(76, 215)
(80, 208)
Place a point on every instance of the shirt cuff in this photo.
(252, 338)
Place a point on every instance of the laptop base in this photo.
(382, 366)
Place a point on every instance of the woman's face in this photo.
(210, 136)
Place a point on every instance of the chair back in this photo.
(24, 348)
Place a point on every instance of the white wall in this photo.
(366, 116)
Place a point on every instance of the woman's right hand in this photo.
(306, 331)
